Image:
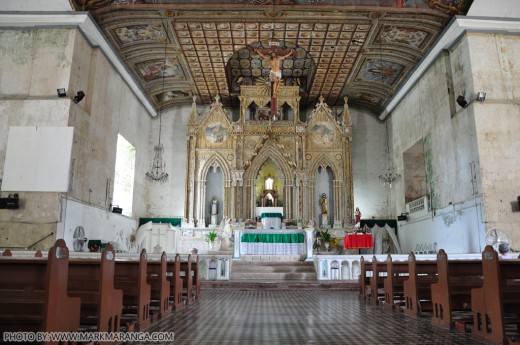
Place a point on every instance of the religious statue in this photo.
(276, 73)
(357, 217)
(225, 234)
(324, 204)
(214, 211)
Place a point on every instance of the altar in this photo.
(273, 242)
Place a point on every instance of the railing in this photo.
(418, 207)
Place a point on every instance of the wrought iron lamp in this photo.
(157, 171)
(388, 174)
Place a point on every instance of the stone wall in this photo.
(470, 153)
(35, 63)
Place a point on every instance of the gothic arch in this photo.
(268, 151)
(216, 160)
(323, 161)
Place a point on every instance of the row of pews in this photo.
(480, 296)
(94, 293)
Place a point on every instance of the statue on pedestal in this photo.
(214, 211)
(324, 208)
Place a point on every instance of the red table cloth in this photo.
(355, 241)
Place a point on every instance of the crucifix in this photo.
(275, 58)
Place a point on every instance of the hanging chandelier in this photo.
(157, 171)
(388, 174)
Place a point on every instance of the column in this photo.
(238, 236)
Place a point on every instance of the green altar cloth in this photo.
(172, 221)
(271, 215)
(273, 238)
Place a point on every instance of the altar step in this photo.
(335, 285)
(258, 271)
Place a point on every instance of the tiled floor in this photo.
(298, 317)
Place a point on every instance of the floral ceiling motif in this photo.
(361, 49)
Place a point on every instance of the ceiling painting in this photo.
(365, 50)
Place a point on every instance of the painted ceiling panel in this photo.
(360, 49)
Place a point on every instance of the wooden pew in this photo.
(364, 279)
(187, 280)
(33, 293)
(160, 287)
(131, 277)
(196, 277)
(92, 280)
(451, 294)
(377, 280)
(417, 288)
(396, 274)
(496, 305)
(173, 275)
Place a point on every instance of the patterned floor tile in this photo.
(296, 318)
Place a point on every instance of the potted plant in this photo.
(326, 237)
(211, 237)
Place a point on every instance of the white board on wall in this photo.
(37, 159)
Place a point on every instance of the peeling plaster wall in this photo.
(34, 64)
(495, 60)
(368, 153)
(450, 150)
(57, 58)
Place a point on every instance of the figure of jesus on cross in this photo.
(276, 73)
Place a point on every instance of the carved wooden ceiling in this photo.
(360, 49)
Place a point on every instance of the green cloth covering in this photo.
(274, 238)
(172, 221)
(271, 215)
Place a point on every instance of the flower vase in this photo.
(327, 246)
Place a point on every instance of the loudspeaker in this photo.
(462, 101)
(117, 209)
(402, 218)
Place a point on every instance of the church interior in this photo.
(293, 137)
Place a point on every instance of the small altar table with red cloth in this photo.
(355, 241)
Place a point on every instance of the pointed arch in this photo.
(269, 150)
(216, 160)
(323, 161)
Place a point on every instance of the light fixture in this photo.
(61, 92)
(461, 100)
(388, 174)
(79, 96)
(157, 171)
(481, 96)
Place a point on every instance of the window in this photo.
(124, 175)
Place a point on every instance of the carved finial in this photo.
(321, 99)
(217, 99)
(194, 98)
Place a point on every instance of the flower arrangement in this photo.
(334, 241)
(211, 236)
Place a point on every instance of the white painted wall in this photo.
(98, 223)
(368, 152)
(497, 8)
(168, 199)
(456, 228)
